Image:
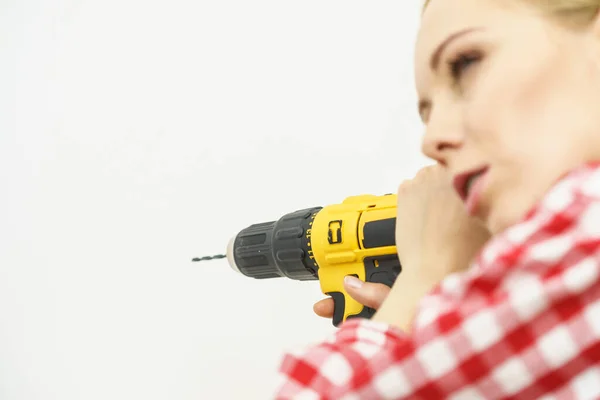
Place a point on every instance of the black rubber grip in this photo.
(380, 233)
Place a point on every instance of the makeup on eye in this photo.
(457, 66)
(461, 62)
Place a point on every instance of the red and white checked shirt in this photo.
(522, 323)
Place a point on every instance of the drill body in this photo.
(355, 237)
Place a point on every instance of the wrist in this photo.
(400, 305)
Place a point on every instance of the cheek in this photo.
(513, 110)
(487, 122)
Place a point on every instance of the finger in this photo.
(404, 185)
(324, 308)
(369, 294)
(424, 171)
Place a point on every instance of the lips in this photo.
(464, 183)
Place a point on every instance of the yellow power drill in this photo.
(355, 237)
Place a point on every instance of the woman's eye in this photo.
(461, 63)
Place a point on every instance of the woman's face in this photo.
(510, 101)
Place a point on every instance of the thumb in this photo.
(366, 293)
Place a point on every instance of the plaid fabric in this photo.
(522, 323)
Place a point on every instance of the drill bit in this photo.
(208, 258)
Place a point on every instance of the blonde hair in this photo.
(574, 13)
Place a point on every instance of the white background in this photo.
(137, 134)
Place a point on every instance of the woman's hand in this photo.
(434, 238)
(433, 230)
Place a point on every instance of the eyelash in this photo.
(459, 64)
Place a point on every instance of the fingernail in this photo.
(353, 282)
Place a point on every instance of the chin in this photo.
(494, 226)
(506, 215)
(497, 224)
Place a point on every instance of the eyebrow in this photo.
(435, 57)
(435, 61)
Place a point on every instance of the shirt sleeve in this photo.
(523, 322)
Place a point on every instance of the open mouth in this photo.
(464, 182)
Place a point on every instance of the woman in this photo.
(510, 94)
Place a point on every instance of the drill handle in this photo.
(379, 269)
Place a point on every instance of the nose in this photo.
(441, 140)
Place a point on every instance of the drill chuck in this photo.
(356, 237)
(276, 249)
